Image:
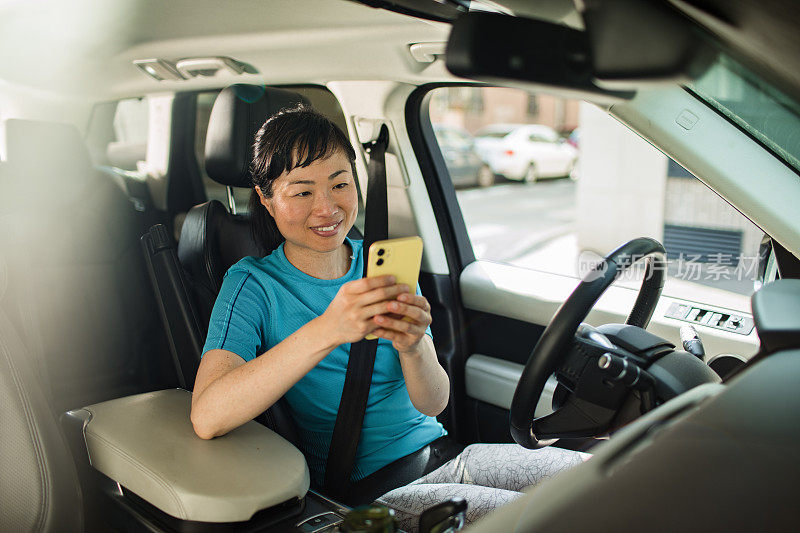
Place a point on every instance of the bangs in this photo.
(295, 138)
(309, 148)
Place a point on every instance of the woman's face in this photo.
(314, 207)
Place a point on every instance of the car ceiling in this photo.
(763, 33)
(73, 47)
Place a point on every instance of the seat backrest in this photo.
(82, 302)
(212, 239)
(38, 480)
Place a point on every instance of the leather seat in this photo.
(76, 324)
(212, 239)
(38, 479)
(79, 289)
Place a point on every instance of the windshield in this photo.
(758, 108)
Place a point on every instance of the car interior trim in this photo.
(494, 381)
(534, 296)
(437, 178)
(227, 479)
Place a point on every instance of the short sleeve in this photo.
(239, 318)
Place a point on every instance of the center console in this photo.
(142, 464)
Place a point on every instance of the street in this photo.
(541, 233)
(532, 226)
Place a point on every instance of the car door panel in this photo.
(507, 309)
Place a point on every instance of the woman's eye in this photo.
(341, 185)
(303, 193)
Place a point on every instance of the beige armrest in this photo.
(146, 443)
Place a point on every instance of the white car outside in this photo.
(525, 152)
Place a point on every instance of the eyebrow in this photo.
(310, 182)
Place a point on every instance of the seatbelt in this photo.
(347, 430)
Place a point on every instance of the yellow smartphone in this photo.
(399, 257)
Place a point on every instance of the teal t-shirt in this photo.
(264, 300)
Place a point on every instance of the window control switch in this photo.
(714, 319)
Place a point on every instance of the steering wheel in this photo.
(563, 350)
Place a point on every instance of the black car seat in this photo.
(79, 288)
(212, 238)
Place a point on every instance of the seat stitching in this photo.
(158, 479)
(33, 432)
(206, 248)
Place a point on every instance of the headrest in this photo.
(125, 155)
(238, 113)
(49, 157)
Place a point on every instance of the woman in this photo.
(283, 324)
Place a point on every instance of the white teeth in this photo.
(327, 228)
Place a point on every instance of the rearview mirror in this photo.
(627, 43)
(500, 48)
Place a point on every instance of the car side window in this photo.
(131, 120)
(117, 133)
(559, 207)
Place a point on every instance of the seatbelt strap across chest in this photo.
(347, 429)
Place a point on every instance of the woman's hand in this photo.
(405, 334)
(350, 316)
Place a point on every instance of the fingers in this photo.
(381, 294)
(402, 341)
(364, 285)
(388, 334)
(418, 301)
(401, 326)
(415, 313)
(398, 310)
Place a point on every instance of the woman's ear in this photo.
(266, 202)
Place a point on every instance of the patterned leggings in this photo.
(485, 475)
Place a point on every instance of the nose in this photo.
(325, 205)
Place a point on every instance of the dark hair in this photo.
(291, 138)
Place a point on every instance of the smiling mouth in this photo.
(327, 229)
